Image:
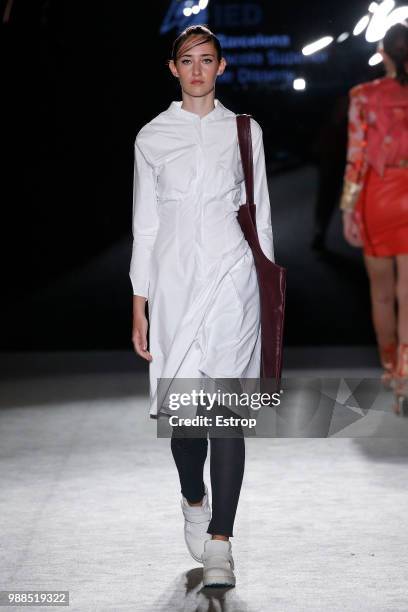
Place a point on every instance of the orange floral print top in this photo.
(377, 133)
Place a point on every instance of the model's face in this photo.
(197, 68)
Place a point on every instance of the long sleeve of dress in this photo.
(145, 222)
(356, 166)
(261, 193)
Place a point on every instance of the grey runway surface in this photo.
(90, 502)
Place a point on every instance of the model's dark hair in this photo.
(205, 36)
(395, 45)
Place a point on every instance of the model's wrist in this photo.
(138, 314)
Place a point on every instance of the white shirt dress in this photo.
(190, 258)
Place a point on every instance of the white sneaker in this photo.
(196, 521)
(218, 564)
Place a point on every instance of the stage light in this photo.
(386, 6)
(375, 59)
(361, 25)
(398, 15)
(317, 45)
(196, 8)
(378, 25)
(380, 19)
(343, 37)
(299, 84)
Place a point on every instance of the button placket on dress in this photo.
(199, 200)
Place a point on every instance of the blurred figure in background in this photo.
(375, 202)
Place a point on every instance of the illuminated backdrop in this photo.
(259, 52)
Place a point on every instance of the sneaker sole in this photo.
(219, 585)
(218, 581)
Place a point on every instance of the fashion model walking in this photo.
(375, 202)
(193, 266)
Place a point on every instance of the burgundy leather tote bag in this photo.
(271, 276)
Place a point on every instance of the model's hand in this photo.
(140, 325)
(351, 229)
(139, 336)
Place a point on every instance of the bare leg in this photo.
(402, 295)
(381, 273)
(401, 375)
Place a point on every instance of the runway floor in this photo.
(90, 503)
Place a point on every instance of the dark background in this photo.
(79, 81)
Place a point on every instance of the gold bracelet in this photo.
(350, 195)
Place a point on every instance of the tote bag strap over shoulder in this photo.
(271, 276)
(245, 148)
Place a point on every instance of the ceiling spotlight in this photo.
(194, 9)
(375, 59)
(379, 22)
(299, 84)
(342, 37)
(361, 25)
(397, 16)
(317, 45)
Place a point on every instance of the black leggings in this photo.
(227, 463)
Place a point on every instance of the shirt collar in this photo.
(175, 108)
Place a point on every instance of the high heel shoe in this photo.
(388, 357)
(401, 381)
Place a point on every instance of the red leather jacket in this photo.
(377, 133)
